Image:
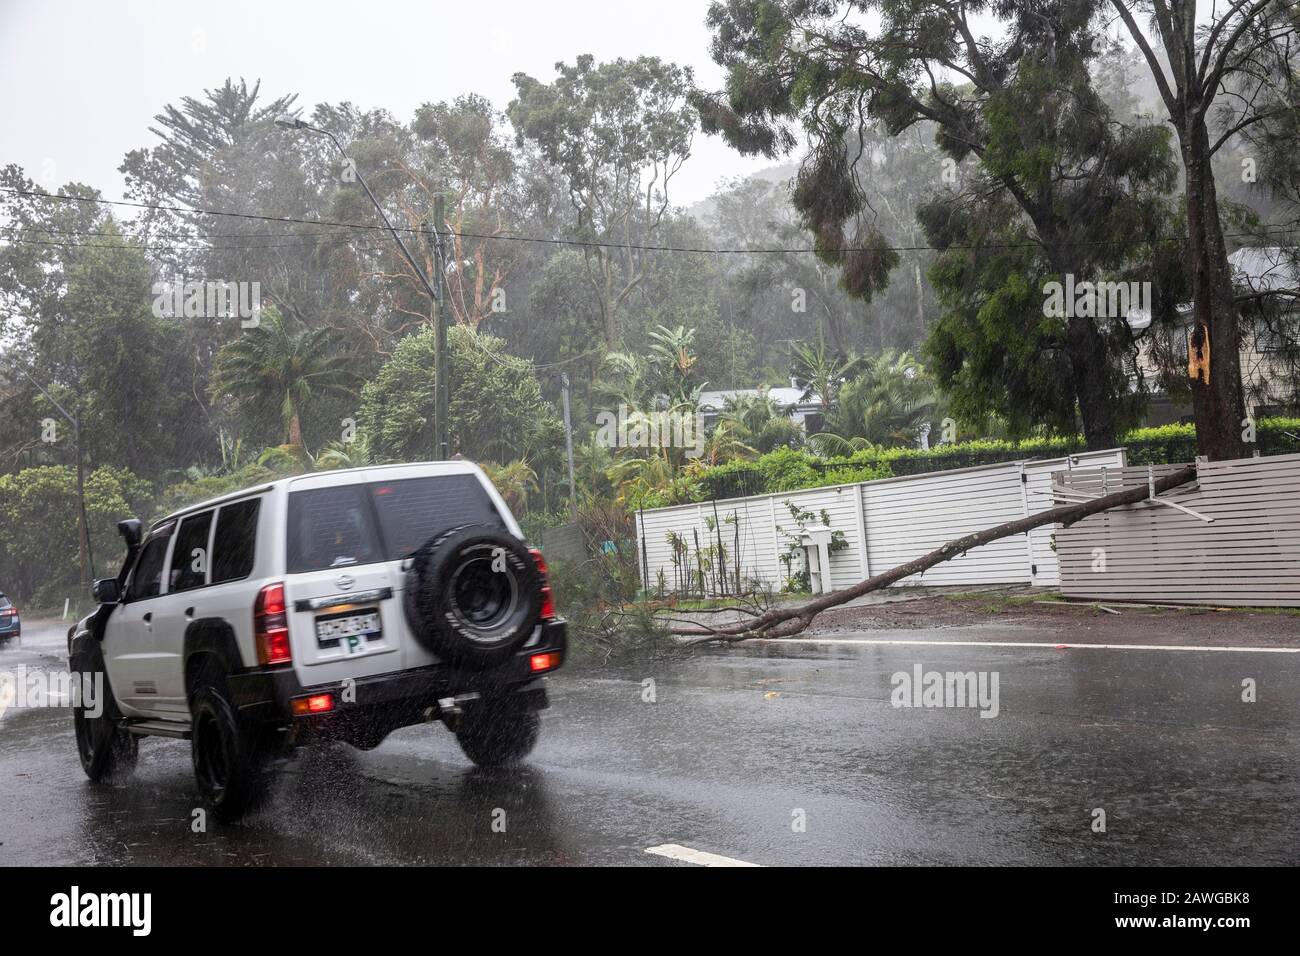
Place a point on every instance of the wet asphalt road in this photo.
(736, 749)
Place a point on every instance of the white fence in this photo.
(884, 523)
(1249, 554)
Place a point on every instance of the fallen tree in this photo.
(788, 621)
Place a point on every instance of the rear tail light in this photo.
(271, 626)
(548, 599)
(315, 704)
(544, 662)
(9, 612)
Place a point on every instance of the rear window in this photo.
(380, 521)
(4, 601)
(413, 510)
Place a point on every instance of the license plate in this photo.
(349, 631)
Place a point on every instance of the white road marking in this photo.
(1109, 647)
(684, 853)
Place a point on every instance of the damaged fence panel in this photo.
(1235, 541)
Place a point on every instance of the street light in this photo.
(290, 122)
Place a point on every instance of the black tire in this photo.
(229, 764)
(498, 737)
(106, 748)
(473, 596)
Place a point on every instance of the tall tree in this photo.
(619, 132)
(76, 314)
(838, 68)
(1238, 58)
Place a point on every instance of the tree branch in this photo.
(785, 622)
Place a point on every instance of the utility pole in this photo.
(568, 443)
(442, 395)
(440, 424)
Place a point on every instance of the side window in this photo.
(235, 543)
(146, 579)
(190, 556)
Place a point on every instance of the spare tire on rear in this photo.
(473, 595)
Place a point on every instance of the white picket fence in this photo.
(885, 523)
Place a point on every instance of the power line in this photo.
(584, 243)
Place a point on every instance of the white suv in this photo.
(338, 605)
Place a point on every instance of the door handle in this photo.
(148, 619)
(189, 614)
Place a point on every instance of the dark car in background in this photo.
(11, 625)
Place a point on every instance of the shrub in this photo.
(789, 470)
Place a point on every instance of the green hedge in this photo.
(783, 470)
(789, 470)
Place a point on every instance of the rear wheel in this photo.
(105, 746)
(229, 764)
(498, 737)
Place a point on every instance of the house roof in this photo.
(785, 397)
(1260, 269)
(1264, 268)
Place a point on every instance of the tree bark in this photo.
(1086, 350)
(785, 622)
(1218, 404)
(1085, 346)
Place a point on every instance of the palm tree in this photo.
(514, 481)
(760, 423)
(724, 444)
(635, 476)
(272, 364)
(673, 358)
(339, 454)
(822, 370)
(886, 404)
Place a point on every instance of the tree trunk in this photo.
(785, 622)
(1218, 405)
(295, 428)
(1086, 349)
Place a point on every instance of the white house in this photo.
(1269, 379)
(809, 412)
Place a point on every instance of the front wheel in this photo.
(105, 746)
(498, 738)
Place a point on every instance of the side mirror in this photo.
(106, 591)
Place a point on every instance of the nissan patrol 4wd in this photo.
(331, 606)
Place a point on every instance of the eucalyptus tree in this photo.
(1218, 77)
(619, 133)
(1016, 108)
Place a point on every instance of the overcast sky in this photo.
(81, 80)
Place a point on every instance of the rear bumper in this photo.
(10, 627)
(370, 707)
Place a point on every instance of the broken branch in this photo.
(788, 621)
